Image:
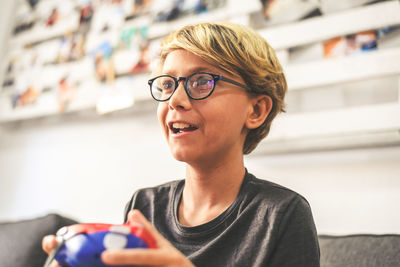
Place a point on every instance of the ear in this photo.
(261, 106)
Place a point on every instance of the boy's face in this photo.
(210, 130)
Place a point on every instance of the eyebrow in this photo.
(191, 71)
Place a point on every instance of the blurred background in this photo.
(78, 128)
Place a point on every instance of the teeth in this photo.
(180, 125)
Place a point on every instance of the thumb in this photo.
(135, 216)
(49, 242)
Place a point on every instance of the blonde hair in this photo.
(237, 50)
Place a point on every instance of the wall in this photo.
(350, 191)
(87, 168)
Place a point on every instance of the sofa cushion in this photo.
(360, 250)
(21, 242)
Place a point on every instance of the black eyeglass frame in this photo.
(216, 78)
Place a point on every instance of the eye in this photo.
(204, 82)
(162, 87)
(167, 85)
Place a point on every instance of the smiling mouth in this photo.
(179, 127)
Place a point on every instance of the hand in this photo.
(49, 242)
(165, 255)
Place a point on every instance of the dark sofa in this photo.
(360, 250)
(21, 241)
(20, 245)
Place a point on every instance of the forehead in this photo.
(182, 63)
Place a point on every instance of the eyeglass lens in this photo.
(198, 86)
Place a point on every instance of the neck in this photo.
(210, 190)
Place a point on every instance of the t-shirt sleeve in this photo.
(129, 206)
(297, 243)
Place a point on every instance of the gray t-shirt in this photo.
(267, 225)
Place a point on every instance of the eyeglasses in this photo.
(198, 86)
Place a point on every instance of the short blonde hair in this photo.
(237, 50)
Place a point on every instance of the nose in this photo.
(179, 99)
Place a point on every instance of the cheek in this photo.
(161, 115)
(235, 110)
(227, 120)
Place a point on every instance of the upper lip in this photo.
(171, 123)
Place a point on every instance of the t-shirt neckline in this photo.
(209, 227)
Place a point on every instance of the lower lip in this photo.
(182, 134)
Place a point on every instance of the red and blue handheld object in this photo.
(81, 245)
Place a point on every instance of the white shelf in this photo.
(377, 125)
(333, 71)
(338, 24)
(307, 75)
(233, 10)
(334, 142)
(87, 98)
(42, 33)
(384, 117)
(43, 107)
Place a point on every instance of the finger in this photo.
(49, 242)
(146, 257)
(137, 217)
(54, 264)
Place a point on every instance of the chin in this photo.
(181, 156)
(185, 155)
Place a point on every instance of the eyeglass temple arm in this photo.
(222, 78)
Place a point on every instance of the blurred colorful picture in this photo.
(54, 12)
(108, 16)
(71, 47)
(171, 10)
(284, 11)
(349, 45)
(25, 98)
(132, 52)
(135, 8)
(85, 15)
(66, 93)
(27, 86)
(24, 18)
(103, 63)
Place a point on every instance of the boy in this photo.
(219, 86)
